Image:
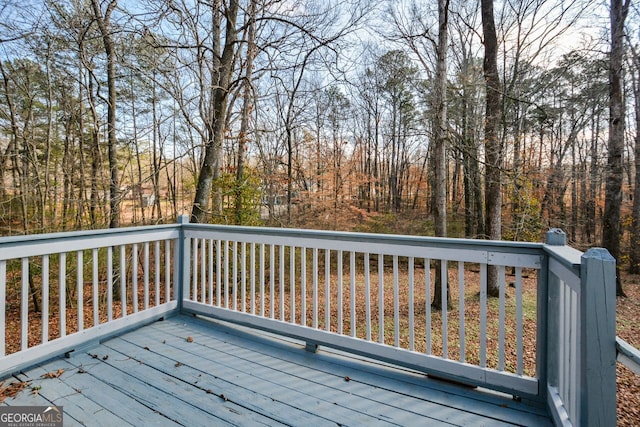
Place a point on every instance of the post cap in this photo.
(556, 237)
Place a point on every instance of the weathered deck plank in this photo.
(287, 366)
(274, 383)
(77, 405)
(208, 377)
(380, 377)
(226, 375)
(81, 384)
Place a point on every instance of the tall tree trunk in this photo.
(67, 171)
(611, 230)
(68, 154)
(96, 162)
(493, 145)
(156, 156)
(593, 180)
(49, 137)
(440, 149)
(138, 191)
(574, 192)
(216, 125)
(4, 161)
(247, 106)
(104, 23)
(474, 216)
(12, 149)
(634, 256)
(23, 178)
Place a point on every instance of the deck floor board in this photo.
(379, 376)
(187, 371)
(204, 378)
(76, 404)
(279, 366)
(274, 381)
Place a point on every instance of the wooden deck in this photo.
(196, 372)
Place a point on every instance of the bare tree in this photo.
(220, 86)
(493, 145)
(440, 141)
(247, 107)
(314, 39)
(468, 115)
(611, 230)
(104, 24)
(634, 256)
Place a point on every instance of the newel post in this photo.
(549, 315)
(598, 338)
(183, 262)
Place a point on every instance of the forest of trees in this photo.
(487, 119)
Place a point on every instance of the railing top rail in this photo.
(31, 238)
(556, 248)
(444, 242)
(515, 254)
(628, 355)
(39, 244)
(492, 245)
(566, 255)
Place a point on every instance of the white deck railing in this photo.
(581, 348)
(370, 294)
(549, 327)
(60, 291)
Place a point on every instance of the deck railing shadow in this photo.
(550, 328)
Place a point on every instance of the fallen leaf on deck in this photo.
(12, 390)
(189, 339)
(53, 374)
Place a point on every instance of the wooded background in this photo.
(493, 119)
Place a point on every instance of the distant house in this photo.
(148, 200)
(142, 195)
